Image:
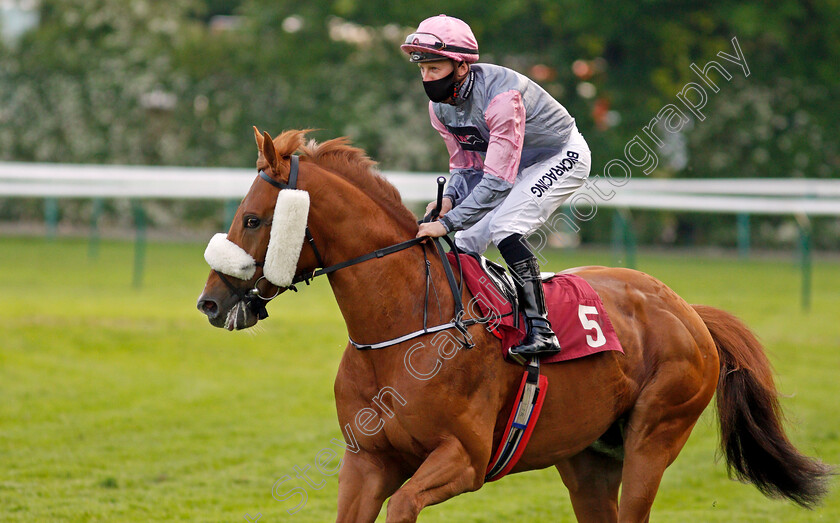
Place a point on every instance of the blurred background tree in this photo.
(180, 82)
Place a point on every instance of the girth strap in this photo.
(523, 418)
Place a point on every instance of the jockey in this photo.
(515, 154)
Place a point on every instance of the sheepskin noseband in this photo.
(228, 258)
(284, 244)
(287, 233)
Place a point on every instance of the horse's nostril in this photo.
(208, 307)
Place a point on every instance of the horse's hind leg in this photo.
(593, 480)
(656, 431)
(647, 454)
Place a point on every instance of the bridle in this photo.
(256, 302)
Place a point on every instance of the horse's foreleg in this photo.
(593, 480)
(448, 471)
(365, 481)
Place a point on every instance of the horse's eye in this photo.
(252, 222)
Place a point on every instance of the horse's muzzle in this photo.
(209, 307)
(230, 312)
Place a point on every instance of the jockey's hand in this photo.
(431, 229)
(445, 206)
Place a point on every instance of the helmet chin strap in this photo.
(464, 87)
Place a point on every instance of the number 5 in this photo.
(588, 324)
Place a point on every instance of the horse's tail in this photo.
(751, 421)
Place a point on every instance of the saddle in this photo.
(502, 281)
(575, 310)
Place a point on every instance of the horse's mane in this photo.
(352, 164)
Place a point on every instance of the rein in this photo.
(257, 303)
(379, 253)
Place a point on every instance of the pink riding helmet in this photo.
(441, 36)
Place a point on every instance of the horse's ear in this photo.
(269, 153)
(258, 137)
(279, 165)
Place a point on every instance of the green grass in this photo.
(124, 404)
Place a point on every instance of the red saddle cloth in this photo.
(575, 311)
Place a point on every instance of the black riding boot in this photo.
(539, 339)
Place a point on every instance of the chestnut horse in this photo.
(423, 441)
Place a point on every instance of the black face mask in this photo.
(440, 89)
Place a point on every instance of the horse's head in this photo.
(277, 238)
(262, 252)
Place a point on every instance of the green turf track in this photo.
(118, 404)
